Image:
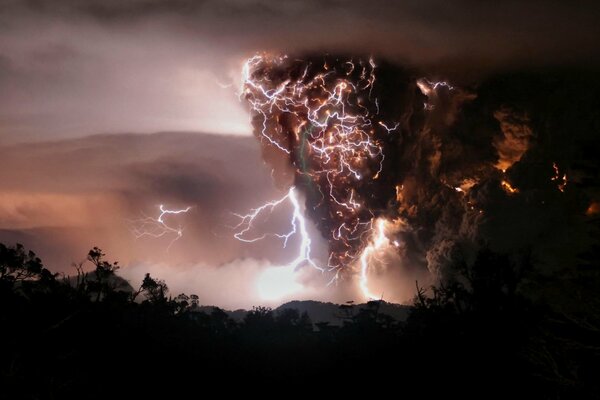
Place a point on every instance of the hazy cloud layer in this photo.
(70, 68)
(95, 185)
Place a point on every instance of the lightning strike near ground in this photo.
(377, 242)
(246, 227)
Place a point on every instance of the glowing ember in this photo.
(593, 209)
(561, 180)
(510, 189)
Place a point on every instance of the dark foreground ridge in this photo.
(94, 336)
(319, 312)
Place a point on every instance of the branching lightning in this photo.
(429, 88)
(157, 227)
(329, 135)
(297, 223)
(323, 117)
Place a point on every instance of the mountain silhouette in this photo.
(319, 311)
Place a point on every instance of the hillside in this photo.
(323, 312)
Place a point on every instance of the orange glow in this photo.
(399, 196)
(593, 209)
(515, 139)
(466, 185)
(27, 210)
(508, 188)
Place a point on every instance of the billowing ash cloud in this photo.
(504, 165)
(452, 169)
(515, 139)
(323, 115)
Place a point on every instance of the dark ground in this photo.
(89, 339)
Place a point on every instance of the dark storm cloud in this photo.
(506, 165)
(558, 111)
(418, 30)
(84, 67)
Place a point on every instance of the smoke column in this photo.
(390, 162)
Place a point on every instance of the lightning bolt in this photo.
(157, 227)
(378, 242)
(429, 89)
(297, 226)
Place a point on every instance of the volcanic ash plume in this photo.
(392, 164)
(365, 144)
(325, 116)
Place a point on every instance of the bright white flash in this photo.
(429, 89)
(276, 283)
(377, 242)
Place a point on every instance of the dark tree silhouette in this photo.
(104, 273)
(17, 266)
(155, 290)
(260, 317)
(474, 332)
